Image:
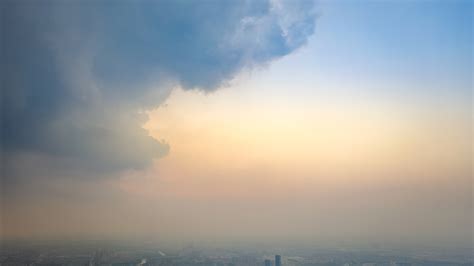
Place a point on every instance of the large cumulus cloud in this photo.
(77, 74)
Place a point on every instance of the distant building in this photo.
(277, 260)
(268, 263)
(400, 263)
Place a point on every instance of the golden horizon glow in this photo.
(228, 146)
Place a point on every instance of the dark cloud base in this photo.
(75, 74)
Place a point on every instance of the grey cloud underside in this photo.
(75, 74)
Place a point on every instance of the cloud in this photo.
(77, 74)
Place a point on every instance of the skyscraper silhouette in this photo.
(277, 260)
(268, 263)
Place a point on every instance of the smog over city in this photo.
(236, 132)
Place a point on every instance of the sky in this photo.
(265, 121)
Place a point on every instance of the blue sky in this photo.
(417, 50)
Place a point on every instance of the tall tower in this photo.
(268, 263)
(277, 260)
